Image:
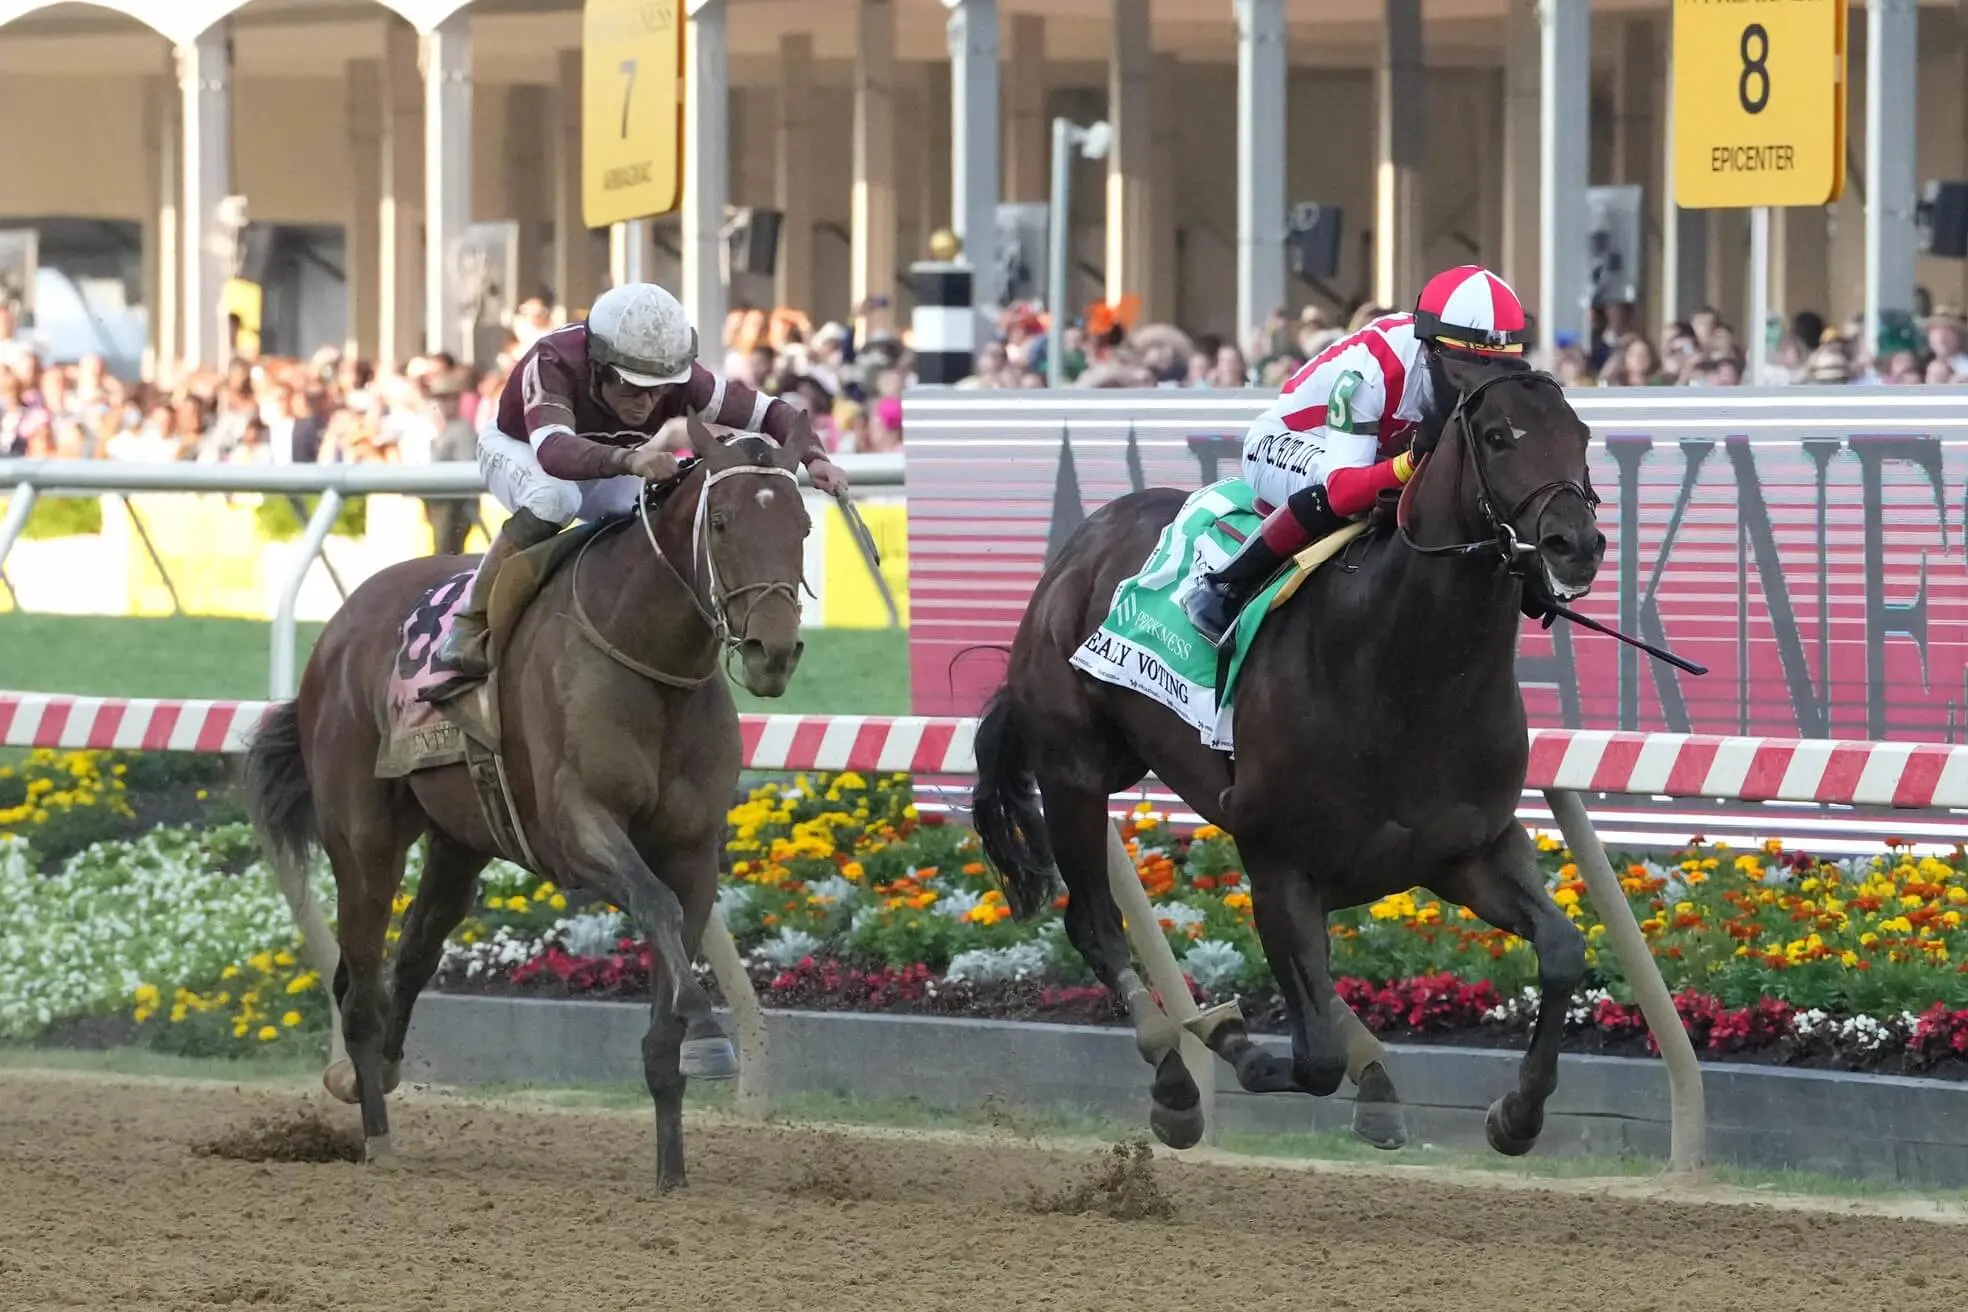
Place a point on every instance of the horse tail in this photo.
(1004, 809)
(279, 798)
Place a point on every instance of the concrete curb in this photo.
(1881, 1128)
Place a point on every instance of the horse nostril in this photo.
(1598, 543)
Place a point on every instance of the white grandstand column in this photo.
(1684, 233)
(1565, 32)
(1892, 55)
(977, 129)
(575, 277)
(205, 86)
(1130, 65)
(529, 115)
(1639, 96)
(163, 256)
(1521, 88)
(793, 172)
(1261, 97)
(400, 248)
(361, 259)
(871, 258)
(447, 177)
(1028, 165)
(1159, 293)
(706, 172)
(1399, 146)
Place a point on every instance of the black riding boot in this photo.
(1220, 597)
(466, 649)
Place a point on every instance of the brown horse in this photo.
(1380, 743)
(621, 744)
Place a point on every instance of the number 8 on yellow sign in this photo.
(1759, 102)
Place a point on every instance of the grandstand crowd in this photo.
(334, 407)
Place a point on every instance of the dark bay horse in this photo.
(1380, 744)
(621, 744)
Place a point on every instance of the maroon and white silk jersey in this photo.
(550, 402)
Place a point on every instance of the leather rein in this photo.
(717, 616)
(1503, 535)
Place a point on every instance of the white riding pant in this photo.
(514, 478)
(1278, 462)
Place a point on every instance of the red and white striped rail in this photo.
(1903, 775)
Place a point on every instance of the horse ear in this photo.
(797, 443)
(715, 454)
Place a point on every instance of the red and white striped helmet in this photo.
(1472, 309)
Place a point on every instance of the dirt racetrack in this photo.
(104, 1203)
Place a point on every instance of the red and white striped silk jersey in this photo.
(549, 401)
(1351, 410)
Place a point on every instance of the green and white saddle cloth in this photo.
(1147, 643)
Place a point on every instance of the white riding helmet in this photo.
(641, 332)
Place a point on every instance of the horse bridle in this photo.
(718, 614)
(1503, 538)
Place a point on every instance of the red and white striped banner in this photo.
(1906, 775)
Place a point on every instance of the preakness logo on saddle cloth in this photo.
(1147, 643)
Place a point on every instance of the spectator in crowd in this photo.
(1634, 363)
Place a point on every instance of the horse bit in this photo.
(1516, 554)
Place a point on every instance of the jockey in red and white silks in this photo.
(1339, 432)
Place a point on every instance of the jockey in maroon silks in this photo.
(1338, 434)
(576, 433)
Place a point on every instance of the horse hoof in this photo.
(339, 1080)
(1177, 1129)
(1382, 1124)
(668, 1184)
(708, 1059)
(1499, 1134)
(377, 1151)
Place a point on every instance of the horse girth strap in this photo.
(587, 630)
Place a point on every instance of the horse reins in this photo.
(1503, 536)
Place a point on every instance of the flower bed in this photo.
(843, 897)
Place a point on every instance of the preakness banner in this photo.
(1804, 544)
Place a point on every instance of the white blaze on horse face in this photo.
(1518, 434)
(764, 496)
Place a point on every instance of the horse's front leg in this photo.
(1505, 886)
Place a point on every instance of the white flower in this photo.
(956, 904)
(785, 950)
(997, 965)
(1214, 964)
(1180, 915)
(733, 900)
(593, 934)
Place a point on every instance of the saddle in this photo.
(450, 725)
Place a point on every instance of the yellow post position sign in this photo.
(1759, 102)
(631, 109)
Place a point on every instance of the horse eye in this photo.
(1498, 438)
(717, 521)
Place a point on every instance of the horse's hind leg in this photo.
(1077, 821)
(1505, 886)
(444, 896)
(368, 867)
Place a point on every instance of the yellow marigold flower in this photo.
(283, 958)
(1910, 900)
(1848, 957)
(1204, 833)
(202, 794)
(1897, 925)
(267, 1034)
(302, 982)
(178, 1013)
(1952, 919)
(1596, 932)
(517, 903)
(852, 871)
(1957, 894)
(558, 902)
(543, 892)
(1811, 885)
(1237, 901)
(1774, 846)
(470, 936)
(146, 994)
(1464, 913)
(1652, 925)
(1566, 897)
(399, 904)
(290, 1019)
(1868, 940)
